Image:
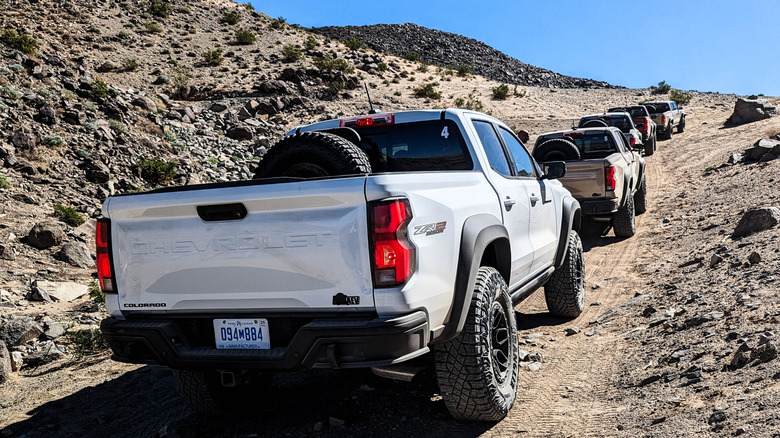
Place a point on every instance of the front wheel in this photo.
(478, 370)
(640, 197)
(565, 291)
(668, 132)
(650, 146)
(681, 126)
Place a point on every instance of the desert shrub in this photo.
(160, 8)
(213, 57)
(5, 183)
(292, 53)
(248, 6)
(86, 342)
(100, 89)
(153, 26)
(69, 215)
(181, 78)
(230, 18)
(470, 103)
(10, 93)
(245, 37)
(130, 64)
(335, 86)
(412, 56)
(681, 97)
(422, 67)
(329, 63)
(96, 293)
(428, 91)
(353, 43)
(311, 42)
(382, 66)
(117, 126)
(44, 92)
(661, 88)
(501, 92)
(279, 23)
(464, 70)
(53, 140)
(156, 171)
(19, 41)
(522, 93)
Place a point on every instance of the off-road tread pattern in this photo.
(624, 221)
(595, 123)
(650, 147)
(196, 391)
(336, 155)
(464, 364)
(557, 146)
(640, 197)
(565, 290)
(204, 393)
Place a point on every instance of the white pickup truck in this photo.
(364, 242)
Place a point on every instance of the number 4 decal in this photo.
(445, 133)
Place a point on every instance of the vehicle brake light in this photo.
(393, 252)
(633, 141)
(573, 133)
(372, 120)
(663, 120)
(103, 255)
(609, 171)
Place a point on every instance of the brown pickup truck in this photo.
(603, 173)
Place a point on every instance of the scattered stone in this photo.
(573, 330)
(239, 132)
(763, 147)
(217, 107)
(47, 115)
(5, 363)
(162, 80)
(24, 140)
(754, 258)
(17, 360)
(750, 110)
(755, 220)
(19, 330)
(714, 260)
(43, 353)
(66, 291)
(145, 103)
(532, 366)
(54, 330)
(74, 117)
(7, 252)
(45, 235)
(76, 254)
(735, 158)
(717, 417)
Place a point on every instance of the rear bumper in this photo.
(321, 343)
(599, 207)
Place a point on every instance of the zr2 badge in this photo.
(430, 229)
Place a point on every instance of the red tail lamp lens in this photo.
(394, 254)
(103, 253)
(610, 177)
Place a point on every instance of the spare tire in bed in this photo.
(313, 155)
(556, 149)
(594, 123)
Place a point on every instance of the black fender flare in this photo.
(479, 232)
(571, 219)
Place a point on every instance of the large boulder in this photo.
(755, 220)
(751, 110)
(20, 330)
(5, 363)
(763, 147)
(76, 254)
(45, 235)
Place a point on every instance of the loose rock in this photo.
(758, 219)
(45, 235)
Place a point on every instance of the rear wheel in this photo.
(681, 126)
(668, 132)
(650, 146)
(205, 393)
(478, 370)
(624, 220)
(313, 155)
(565, 291)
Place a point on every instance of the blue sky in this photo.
(705, 45)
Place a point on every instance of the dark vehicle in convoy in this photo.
(667, 115)
(620, 120)
(643, 122)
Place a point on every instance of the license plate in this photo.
(242, 334)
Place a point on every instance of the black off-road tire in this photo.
(624, 221)
(595, 123)
(556, 149)
(313, 155)
(668, 132)
(478, 370)
(640, 197)
(650, 146)
(204, 393)
(565, 290)
(681, 126)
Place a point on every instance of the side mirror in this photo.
(554, 169)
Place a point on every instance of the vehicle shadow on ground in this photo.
(595, 240)
(146, 403)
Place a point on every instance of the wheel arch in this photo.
(571, 219)
(484, 242)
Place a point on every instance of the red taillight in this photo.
(103, 253)
(609, 171)
(663, 120)
(633, 141)
(372, 120)
(394, 254)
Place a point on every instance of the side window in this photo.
(620, 140)
(523, 163)
(493, 150)
(673, 106)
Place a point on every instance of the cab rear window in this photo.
(415, 147)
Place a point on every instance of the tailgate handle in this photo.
(222, 212)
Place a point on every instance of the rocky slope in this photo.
(454, 51)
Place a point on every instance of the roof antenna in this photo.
(371, 110)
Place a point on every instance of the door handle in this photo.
(534, 199)
(509, 203)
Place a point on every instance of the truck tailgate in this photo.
(300, 244)
(585, 178)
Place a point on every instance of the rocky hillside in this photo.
(455, 51)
